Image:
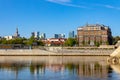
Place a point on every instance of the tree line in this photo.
(32, 41)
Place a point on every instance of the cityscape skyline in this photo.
(71, 34)
(57, 16)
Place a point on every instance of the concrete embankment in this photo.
(38, 52)
(24, 52)
(116, 52)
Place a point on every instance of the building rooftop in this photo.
(93, 27)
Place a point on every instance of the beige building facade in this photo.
(91, 35)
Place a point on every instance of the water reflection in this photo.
(57, 68)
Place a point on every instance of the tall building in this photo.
(32, 34)
(71, 34)
(59, 36)
(43, 36)
(35, 35)
(62, 35)
(94, 35)
(16, 35)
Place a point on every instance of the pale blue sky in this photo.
(57, 16)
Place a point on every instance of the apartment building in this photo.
(94, 35)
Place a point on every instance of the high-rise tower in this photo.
(17, 35)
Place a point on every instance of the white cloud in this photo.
(73, 5)
(69, 3)
(66, 3)
(112, 7)
(108, 6)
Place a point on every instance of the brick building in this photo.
(91, 35)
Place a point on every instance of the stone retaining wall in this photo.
(38, 52)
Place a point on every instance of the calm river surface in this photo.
(57, 68)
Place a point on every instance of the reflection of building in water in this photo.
(37, 69)
(81, 69)
(55, 67)
(93, 69)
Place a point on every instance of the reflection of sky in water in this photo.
(57, 68)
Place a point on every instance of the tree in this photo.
(18, 41)
(40, 43)
(115, 39)
(88, 42)
(31, 40)
(70, 42)
(107, 42)
(83, 43)
(12, 41)
(97, 44)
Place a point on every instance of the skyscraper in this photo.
(71, 34)
(59, 36)
(35, 35)
(17, 35)
(43, 36)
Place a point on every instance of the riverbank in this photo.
(39, 52)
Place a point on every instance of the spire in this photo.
(17, 33)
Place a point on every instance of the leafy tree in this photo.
(31, 40)
(3, 41)
(89, 42)
(97, 44)
(115, 39)
(83, 42)
(12, 41)
(107, 42)
(70, 42)
(23, 40)
(18, 41)
(40, 43)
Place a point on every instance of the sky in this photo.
(57, 16)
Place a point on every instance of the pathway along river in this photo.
(57, 68)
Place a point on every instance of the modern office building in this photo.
(35, 35)
(91, 35)
(42, 36)
(59, 36)
(71, 34)
(62, 35)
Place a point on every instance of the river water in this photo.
(57, 68)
